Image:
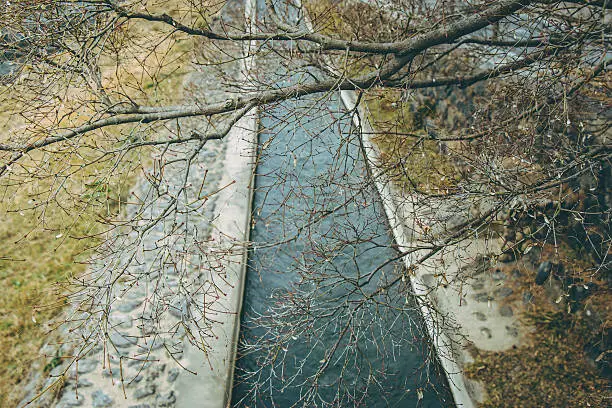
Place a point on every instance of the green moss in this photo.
(412, 161)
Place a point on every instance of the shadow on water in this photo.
(308, 337)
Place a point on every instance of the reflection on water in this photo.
(316, 328)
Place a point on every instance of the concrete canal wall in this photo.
(212, 386)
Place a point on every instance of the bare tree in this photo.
(483, 110)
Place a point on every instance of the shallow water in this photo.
(312, 164)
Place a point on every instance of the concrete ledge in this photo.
(212, 386)
(213, 389)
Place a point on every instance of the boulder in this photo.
(543, 272)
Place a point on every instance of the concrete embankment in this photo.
(150, 360)
(212, 386)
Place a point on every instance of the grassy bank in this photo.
(54, 204)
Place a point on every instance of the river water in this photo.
(307, 336)
(321, 245)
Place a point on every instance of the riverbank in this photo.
(152, 359)
(172, 328)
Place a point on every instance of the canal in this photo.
(316, 330)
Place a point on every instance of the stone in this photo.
(172, 272)
(58, 370)
(527, 297)
(86, 366)
(172, 283)
(69, 399)
(152, 345)
(480, 316)
(581, 291)
(179, 309)
(120, 340)
(503, 292)
(512, 331)
(506, 311)
(152, 374)
(429, 280)
(101, 400)
(145, 391)
(173, 374)
(120, 321)
(81, 383)
(498, 275)
(96, 349)
(486, 332)
(478, 286)
(483, 297)
(129, 306)
(116, 374)
(155, 372)
(509, 234)
(166, 400)
(147, 327)
(543, 272)
(483, 264)
(506, 257)
(30, 389)
(534, 255)
(142, 364)
(178, 346)
(152, 276)
(136, 294)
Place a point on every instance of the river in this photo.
(303, 297)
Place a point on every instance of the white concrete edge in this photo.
(250, 14)
(213, 385)
(239, 289)
(440, 339)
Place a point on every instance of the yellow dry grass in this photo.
(412, 161)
